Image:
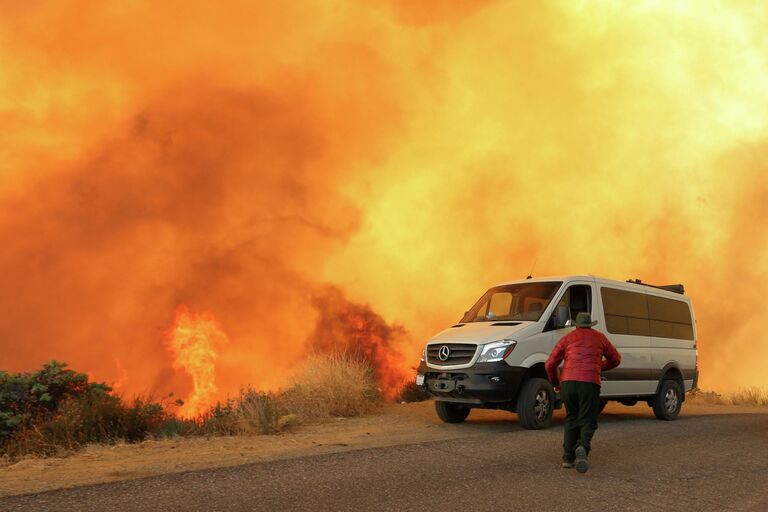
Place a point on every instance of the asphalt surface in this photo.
(700, 463)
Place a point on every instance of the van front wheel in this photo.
(535, 403)
(667, 403)
(451, 413)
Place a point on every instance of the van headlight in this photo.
(496, 351)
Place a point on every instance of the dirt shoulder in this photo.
(392, 424)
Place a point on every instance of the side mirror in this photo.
(561, 316)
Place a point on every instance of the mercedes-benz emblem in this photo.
(443, 353)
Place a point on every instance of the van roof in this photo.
(601, 280)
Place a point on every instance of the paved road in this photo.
(696, 463)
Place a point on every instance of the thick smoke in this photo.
(218, 198)
(239, 160)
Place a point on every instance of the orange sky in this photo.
(238, 159)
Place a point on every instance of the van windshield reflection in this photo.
(520, 302)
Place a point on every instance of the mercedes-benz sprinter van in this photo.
(494, 357)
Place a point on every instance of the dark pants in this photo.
(582, 407)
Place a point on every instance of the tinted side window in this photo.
(576, 299)
(670, 318)
(625, 312)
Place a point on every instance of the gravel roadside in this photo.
(717, 462)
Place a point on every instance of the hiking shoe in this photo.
(581, 460)
(567, 465)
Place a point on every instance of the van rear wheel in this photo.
(668, 401)
(535, 403)
(450, 412)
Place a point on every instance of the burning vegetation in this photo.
(309, 178)
(56, 410)
(346, 336)
(346, 329)
(194, 341)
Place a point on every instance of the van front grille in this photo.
(458, 353)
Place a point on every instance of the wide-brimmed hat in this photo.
(584, 320)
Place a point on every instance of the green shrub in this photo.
(35, 397)
(172, 426)
(141, 417)
(56, 408)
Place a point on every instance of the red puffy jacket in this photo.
(583, 350)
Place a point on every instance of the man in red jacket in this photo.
(583, 350)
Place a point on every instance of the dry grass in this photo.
(252, 412)
(331, 386)
(706, 397)
(324, 387)
(750, 396)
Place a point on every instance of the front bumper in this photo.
(483, 384)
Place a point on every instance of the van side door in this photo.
(624, 320)
(576, 297)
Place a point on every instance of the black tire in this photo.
(535, 403)
(668, 401)
(450, 412)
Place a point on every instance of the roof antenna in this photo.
(530, 274)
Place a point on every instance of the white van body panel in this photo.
(535, 358)
(479, 334)
(655, 354)
(673, 351)
(533, 346)
(635, 351)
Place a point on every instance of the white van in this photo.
(494, 357)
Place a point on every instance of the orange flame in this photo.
(193, 341)
(346, 327)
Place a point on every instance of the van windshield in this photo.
(522, 302)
